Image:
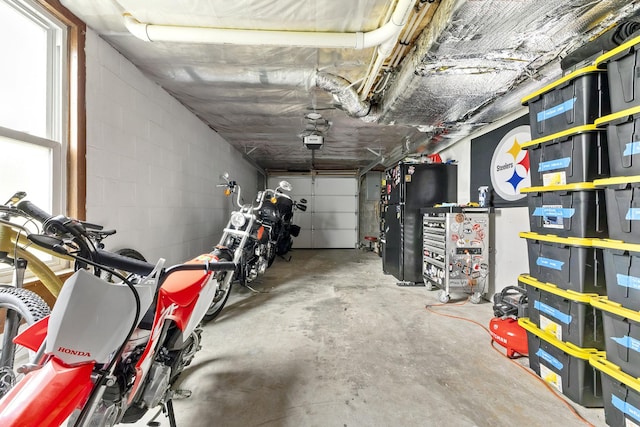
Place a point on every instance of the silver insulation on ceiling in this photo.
(472, 62)
(479, 57)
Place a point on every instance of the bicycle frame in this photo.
(13, 240)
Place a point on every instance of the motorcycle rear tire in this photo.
(19, 308)
(221, 299)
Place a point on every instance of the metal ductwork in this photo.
(347, 96)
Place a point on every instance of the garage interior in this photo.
(329, 95)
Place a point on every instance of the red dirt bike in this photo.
(109, 352)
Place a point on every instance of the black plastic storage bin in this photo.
(622, 197)
(623, 74)
(620, 394)
(567, 315)
(623, 141)
(570, 263)
(621, 335)
(622, 271)
(564, 366)
(576, 155)
(576, 99)
(571, 210)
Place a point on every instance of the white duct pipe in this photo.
(358, 40)
(409, 35)
(386, 48)
(371, 77)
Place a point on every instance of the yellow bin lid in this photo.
(605, 304)
(617, 180)
(616, 244)
(603, 59)
(578, 73)
(579, 186)
(567, 347)
(553, 289)
(552, 238)
(605, 120)
(601, 363)
(560, 135)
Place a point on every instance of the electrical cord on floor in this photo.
(556, 394)
(255, 291)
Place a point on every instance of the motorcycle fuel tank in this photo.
(269, 212)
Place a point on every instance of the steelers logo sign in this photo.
(510, 165)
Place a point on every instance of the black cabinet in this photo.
(408, 188)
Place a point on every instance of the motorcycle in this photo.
(251, 237)
(281, 221)
(109, 352)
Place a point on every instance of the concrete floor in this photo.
(332, 341)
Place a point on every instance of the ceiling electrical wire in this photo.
(429, 307)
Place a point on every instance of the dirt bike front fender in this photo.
(33, 337)
(47, 396)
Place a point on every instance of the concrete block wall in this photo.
(152, 166)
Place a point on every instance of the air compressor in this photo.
(508, 305)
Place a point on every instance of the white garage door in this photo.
(331, 219)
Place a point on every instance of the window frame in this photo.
(72, 148)
(76, 115)
(56, 97)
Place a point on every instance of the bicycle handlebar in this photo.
(63, 224)
(34, 211)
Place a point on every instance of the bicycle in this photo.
(21, 307)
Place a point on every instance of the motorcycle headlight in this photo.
(238, 219)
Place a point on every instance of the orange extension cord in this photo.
(567, 404)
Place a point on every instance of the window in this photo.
(41, 118)
(33, 109)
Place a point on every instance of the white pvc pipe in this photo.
(371, 77)
(179, 34)
(385, 49)
(409, 33)
(358, 40)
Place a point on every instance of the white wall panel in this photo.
(336, 203)
(301, 185)
(331, 220)
(334, 220)
(327, 239)
(303, 240)
(335, 186)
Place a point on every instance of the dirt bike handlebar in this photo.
(63, 225)
(143, 268)
(120, 262)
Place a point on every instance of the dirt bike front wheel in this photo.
(19, 309)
